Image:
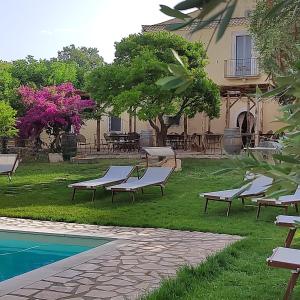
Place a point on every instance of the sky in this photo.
(42, 27)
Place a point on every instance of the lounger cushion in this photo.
(152, 176)
(285, 258)
(286, 220)
(289, 198)
(8, 163)
(258, 186)
(282, 200)
(113, 175)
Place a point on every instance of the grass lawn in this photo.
(39, 191)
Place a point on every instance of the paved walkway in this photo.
(96, 158)
(127, 268)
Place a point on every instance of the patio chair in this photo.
(108, 142)
(114, 175)
(283, 202)
(154, 176)
(286, 258)
(255, 188)
(82, 143)
(8, 164)
(291, 222)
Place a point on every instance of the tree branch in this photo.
(153, 125)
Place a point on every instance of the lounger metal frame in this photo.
(281, 204)
(229, 200)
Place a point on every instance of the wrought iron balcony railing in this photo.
(241, 68)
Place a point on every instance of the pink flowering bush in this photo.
(55, 109)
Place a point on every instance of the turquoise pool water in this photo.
(24, 252)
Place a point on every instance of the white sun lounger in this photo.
(154, 176)
(255, 188)
(286, 258)
(114, 175)
(8, 164)
(283, 201)
(291, 222)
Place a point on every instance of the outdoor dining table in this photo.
(123, 142)
(176, 141)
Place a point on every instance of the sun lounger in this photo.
(255, 188)
(286, 258)
(114, 175)
(291, 222)
(283, 201)
(8, 164)
(154, 176)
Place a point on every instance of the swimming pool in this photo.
(21, 252)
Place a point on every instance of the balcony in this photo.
(241, 68)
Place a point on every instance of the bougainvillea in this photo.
(55, 109)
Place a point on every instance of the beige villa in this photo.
(234, 66)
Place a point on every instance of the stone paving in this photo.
(133, 266)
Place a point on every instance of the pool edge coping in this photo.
(29, 278)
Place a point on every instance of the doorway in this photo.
(247, 127)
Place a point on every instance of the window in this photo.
(171, 120)
(243, 54)
(115, 124)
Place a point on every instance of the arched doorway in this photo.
(247, 126)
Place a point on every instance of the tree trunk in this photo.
(4, 141)
(130, 121)
(185, 132)
(134, 122)
(98, 134)
(161, 133)
(130, 124)
(161, 137)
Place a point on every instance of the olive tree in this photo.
(143, 59)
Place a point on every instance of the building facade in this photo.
(233, 64)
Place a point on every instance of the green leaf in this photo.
(188, 4)
(258, 91)
(294, 134)
(178, 26)
(274, 92)
(184, 86)
(226, 20)
(173, 12)
(173, 84)
(177, 69)
(204, 23)
(277, 8)
(210, 6)
(223, 171)
(164, 80)
(286, 158)
(285, 80)
(177, 57)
